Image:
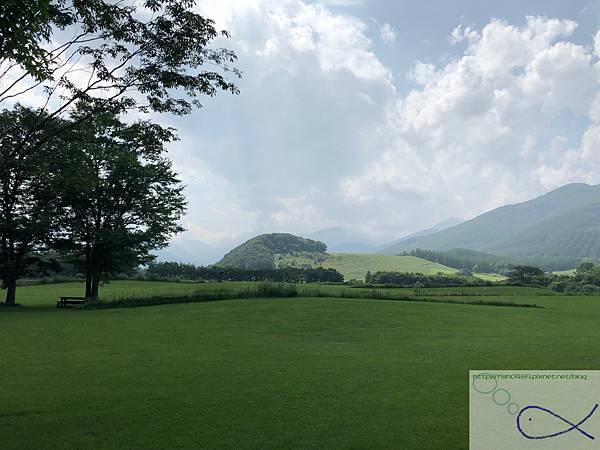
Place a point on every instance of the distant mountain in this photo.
(443, 225)
(341, 240)
(261, 251)
(564, 223)
(190, 251)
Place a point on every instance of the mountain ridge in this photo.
(564, 222)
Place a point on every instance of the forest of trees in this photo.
(190, 272)
(465, 259)
(404, 279)
(586, 280)
(78, 178)
(260, 251)
(475, 261)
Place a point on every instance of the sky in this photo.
(386, 117)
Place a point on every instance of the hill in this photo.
(356, 265)
(562, 225)
(261, 251)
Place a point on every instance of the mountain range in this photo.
(564, 223)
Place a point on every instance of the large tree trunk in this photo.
(89, 271)
(88, 284)
(95, 286)
(11, 292)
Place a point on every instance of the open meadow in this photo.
(271, 373)
(356, 265)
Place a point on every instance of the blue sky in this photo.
(387, 117)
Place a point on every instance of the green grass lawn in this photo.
(356, 265)
(270, 373)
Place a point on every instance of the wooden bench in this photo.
(64, 301)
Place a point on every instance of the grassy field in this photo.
(356, 265)
(570, 272)
(270, 373)
(494, 277)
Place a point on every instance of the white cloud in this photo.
(338, 42)
(387, 34)
(489, 126)
(463, 33)
(320, 137)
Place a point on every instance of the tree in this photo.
(586, 267)
(527, 275)
(29, 207)
(25, 26)
(152, 55)
(123, 198)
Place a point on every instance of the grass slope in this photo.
(356, 265)
(277, 373)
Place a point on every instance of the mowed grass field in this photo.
(270, 373)
(356, 265)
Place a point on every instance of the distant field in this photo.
(295, 373)
(490, 276)
(356, 265)
(570, 272)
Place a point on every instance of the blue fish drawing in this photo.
(525, 416)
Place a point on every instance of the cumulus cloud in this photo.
(324, 135)
(321, 137)
(516, 114)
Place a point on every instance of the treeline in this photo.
(404, 279)
(465, 259)
(190, 272)
(586, 280)
(475, 261)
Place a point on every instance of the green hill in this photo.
(356, 265)
(562, 225)
(261, 252)
(279, 250)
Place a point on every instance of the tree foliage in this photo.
(586, 280)
(405, 279)
(466, 259)
(153, 55)
(521, 274)
(29, 207)
(74, 176)
(123, 199)
(260, 251)
(190, 272)
(25, 26)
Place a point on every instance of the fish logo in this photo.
(528, 414)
